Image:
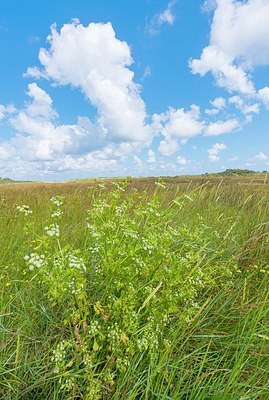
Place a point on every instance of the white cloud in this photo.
(151, 157)
(227, 75)
(138, 163)
(92, 59)
(182, 160)
(263, 95)
(260, 157)
(177, 126)
(212, 111)
(238, 43)
(2, 111)
(179, 123)
(90, 162)
(219, 103)
(241, 30)
(38, 138)
(6, 151)
(167, 148)
(6, 110)
(221, 127)
(241, 105)
(41, 141)
(165, 17)
(213, 152)
(41, 105)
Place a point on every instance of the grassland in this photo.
(135, 289)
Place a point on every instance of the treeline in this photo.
(6, 180)
(237, 172)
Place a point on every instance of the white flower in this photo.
(25, 210)
(57, 201)
(56, 213)
(35, 261)
(53, 230)
(75, 262)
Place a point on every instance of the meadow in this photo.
(135, 289)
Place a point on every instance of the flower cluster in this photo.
(56, 214)
(53, 230)
(25, 210)
(57, 200)
(75, 262)
(35, 261)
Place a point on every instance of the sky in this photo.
(138, 88)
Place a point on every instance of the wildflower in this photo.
(53, 230)
(35, 261)
(76, 262)
(25, 210)
(56, 214)
(57, 200)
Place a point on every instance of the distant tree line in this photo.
(6, 180)
(236, 172)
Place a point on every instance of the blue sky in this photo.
(116, 88)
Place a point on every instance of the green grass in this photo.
(149, 292)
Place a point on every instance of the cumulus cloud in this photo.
(90, 162)
(213, 152)
(243, 106)
(40, 107)
(168, 147)
(263, 95)
(240, 29)
(238, 43)
(221, 127)
(38, 138)
(138, 163)
(61, 147)
(178, 123)
(6, 152)
(6, 111)
(219, 103)
(182, 160)
(92, 59)
(227, 75)
(176, 126)
(151, 157)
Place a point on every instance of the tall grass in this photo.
(150, 291)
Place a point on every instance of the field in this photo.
(135, 289)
